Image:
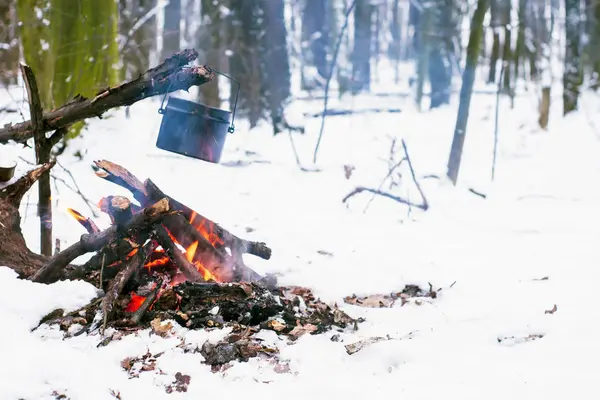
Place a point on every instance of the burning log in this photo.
(148, 192)
(134, 262)
(87, 223)
(212, 240)
(185, 266)
(95, 242)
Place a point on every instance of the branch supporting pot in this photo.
(195, 130)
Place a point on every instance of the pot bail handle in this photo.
(231, 128)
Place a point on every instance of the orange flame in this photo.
(132, 253)
(76, 215)
(206, 229)
(190, 253)
(135, 302)
(158, 262)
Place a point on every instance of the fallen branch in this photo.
(424, 205)
(355, 347)
(167, 77)
(94, 242)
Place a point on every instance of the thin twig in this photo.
(390, 172)
(412, 173)
(330, 75)
(496, 120)
(78, 190)
(302, 168)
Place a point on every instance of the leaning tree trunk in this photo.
(361, 54)
(572, 69)
(466, 90)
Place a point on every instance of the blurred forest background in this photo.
(274, 47)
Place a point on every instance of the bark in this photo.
(13, 251)
(544, 108)
(466, 90)
(441, 52)
(395, 44)
(43, 148)
(572, 75)
(167, 77)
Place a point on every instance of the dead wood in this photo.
(167, 77)
(119, 208)
(89, 225)
(424, 205)
(148, 192)
(134, 262)
(94, 242)
(187, 268)
(136, 316)
(13, 249)
(42, 155)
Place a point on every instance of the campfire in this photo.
(162, 261)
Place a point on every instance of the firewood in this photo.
(135, 262)
(187, 268)
(169, 76)
(13, 249)
(94, 242)
(89, 225)
(119, 208)
(147, 192)
(137, 315)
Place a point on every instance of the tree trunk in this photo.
(395, 44)
(596, 46)
(520, 48)
(441, 52)
(171, 29)
(209, 37)
(275, 61)
(422, 52)
(466, 90)
(507, 55)
(496, 21)
(315, 40)
(361, 54)
(572, 69)
(9, 53)
(544, 34)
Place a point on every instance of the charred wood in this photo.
(94, 242)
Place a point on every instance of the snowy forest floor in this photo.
(502, 261)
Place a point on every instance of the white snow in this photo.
(540, 219)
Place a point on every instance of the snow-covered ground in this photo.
(501, 262)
